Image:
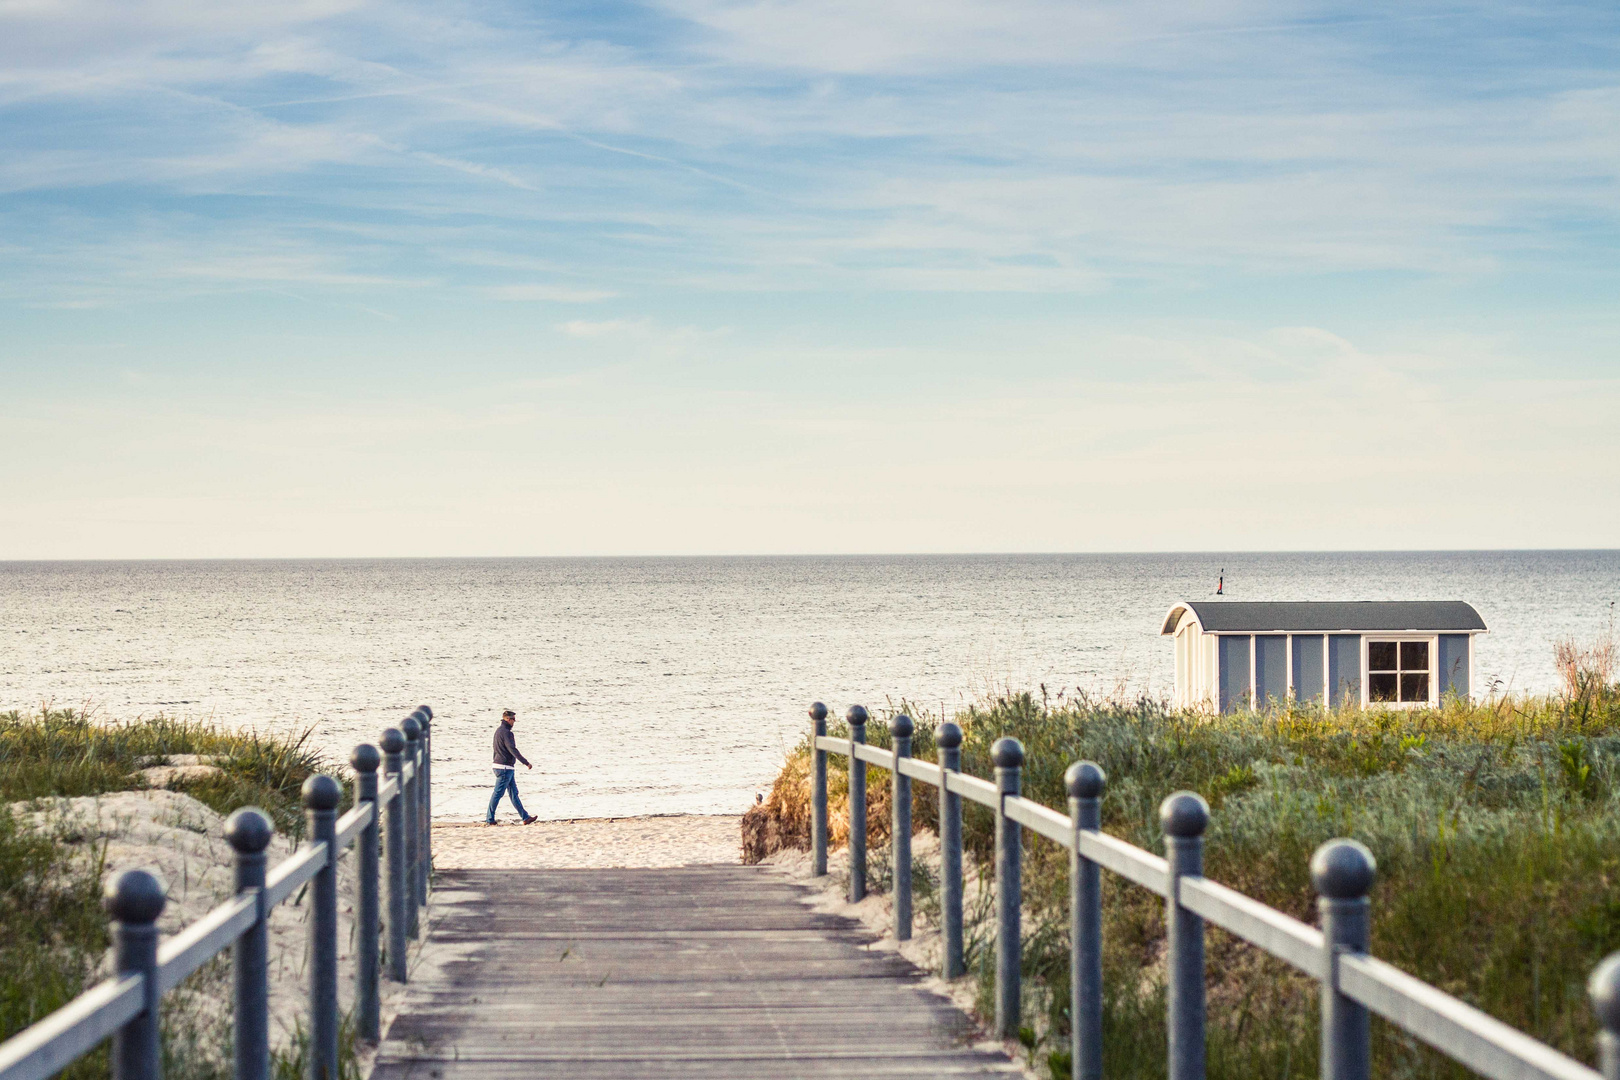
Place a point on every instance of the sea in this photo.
(676, 685)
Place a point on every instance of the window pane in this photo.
(1415, 687)
(1414, 656)
(1380, 656)
(1381, 687)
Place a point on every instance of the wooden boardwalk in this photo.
(713, 971)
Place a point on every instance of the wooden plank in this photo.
(716, 972)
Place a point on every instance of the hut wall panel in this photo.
(1452, 665)
(1308, 660)
(1270, 669)
(1234, 671)
(1344, 669)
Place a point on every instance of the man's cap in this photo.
(509, 712)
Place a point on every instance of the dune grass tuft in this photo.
(52, 929)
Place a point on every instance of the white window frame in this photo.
(1434, 683)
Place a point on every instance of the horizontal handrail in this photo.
(971, 787)
(1287, 939)
(832, 745)
(198, 943)
(350, 824)
(1130, 862)
(1040, 819)
(304, 864)
(874, 755)
(1455, 1028)
(388, 792)
(51, 1045)
(918, 769)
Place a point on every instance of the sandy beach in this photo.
(673, 840)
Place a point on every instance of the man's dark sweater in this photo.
(506, 751)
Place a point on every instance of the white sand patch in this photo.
(160, 776)
(676, 840)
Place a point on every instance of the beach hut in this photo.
(1397, 654)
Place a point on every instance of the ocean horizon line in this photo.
(807, 555)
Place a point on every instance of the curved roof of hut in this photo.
(1332, 616)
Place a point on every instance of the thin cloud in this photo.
(556, 294)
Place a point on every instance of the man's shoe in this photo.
(530, 820)
(487, 824)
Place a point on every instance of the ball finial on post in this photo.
(901, 726)
(249, 830)
(321, 792)
(412, 728)
(134, 896)
(856, 716)
(393, 740)
(365, 758)
(1343, 870)
(947, 735)
(1184, 814)
(1603, 989)
(1085, 780)
(818, 711)
(1007, 753)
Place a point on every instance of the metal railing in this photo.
(1354, 984)
(125, 1007)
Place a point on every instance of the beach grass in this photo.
(1496, 826)
(53, 932)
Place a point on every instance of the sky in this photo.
(330, 278)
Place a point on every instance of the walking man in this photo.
(506, 758)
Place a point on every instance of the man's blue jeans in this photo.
(506, 782)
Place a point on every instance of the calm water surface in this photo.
(675, 685)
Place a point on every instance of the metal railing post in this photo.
(419, 864)
(135, 899)
(367, 1006)
(427, 799)
(948, 738)
(857, 806)
(322, 794)
(818, 793)
(900, 729)
(1085, 782)
(1603, 988)
(1183, 817)
(393, 747)
(1342, 872)
(248, 831)
(1008, 756)
(408, 806)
